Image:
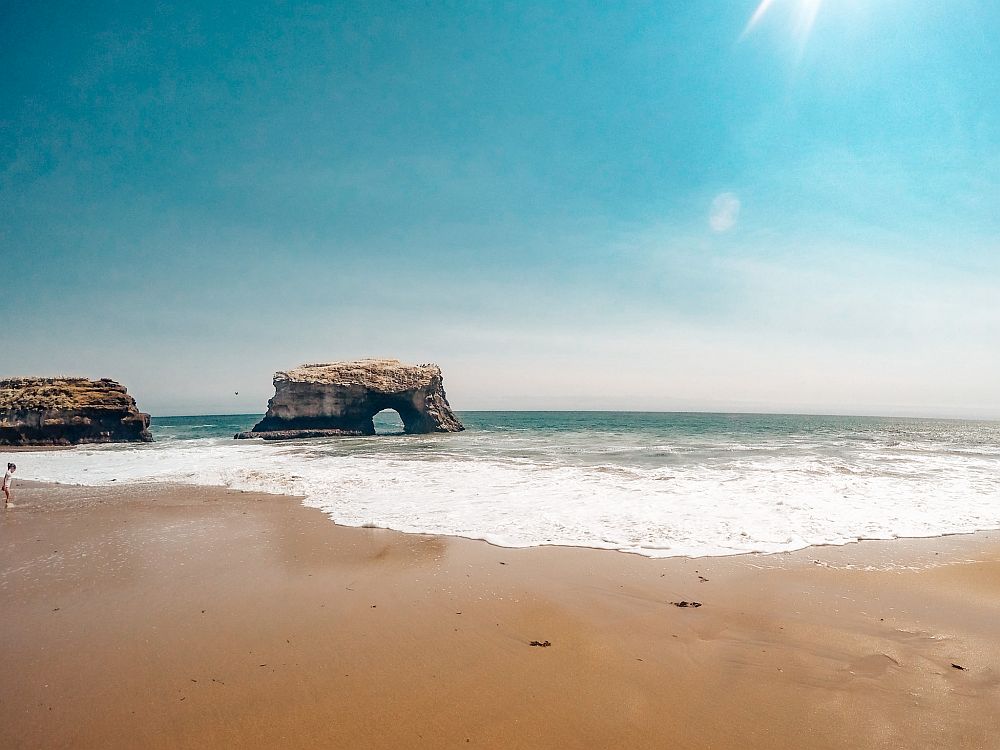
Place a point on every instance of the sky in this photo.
(722, 205)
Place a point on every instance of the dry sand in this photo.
(183, 617)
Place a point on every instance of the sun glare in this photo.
(802, 12)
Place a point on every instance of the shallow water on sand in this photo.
(655, 484)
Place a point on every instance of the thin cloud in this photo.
(724, 213)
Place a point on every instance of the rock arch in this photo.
(342, 398)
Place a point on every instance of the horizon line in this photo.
(642, 411)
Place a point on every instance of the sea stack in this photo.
(69, 411)
(340, 398)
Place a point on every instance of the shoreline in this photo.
(169, 486)
(889, 551)
(183, 616)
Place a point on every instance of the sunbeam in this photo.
(804, 12)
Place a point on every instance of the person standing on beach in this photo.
(8, 480)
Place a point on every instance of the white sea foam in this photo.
(526, 495)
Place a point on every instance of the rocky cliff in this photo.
(67, 411)
(340, 398)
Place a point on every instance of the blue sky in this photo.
(644, 206)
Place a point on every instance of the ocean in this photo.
(655, 484)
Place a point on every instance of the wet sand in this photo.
(183, 617)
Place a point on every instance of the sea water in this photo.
(654, 484)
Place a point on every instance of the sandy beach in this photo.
(186, 617)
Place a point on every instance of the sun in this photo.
(803, 13)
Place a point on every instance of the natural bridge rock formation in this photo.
(340, 398)
(67, 411)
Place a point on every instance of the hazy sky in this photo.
(610, 205)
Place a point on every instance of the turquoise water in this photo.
(642, 439)
(653, 483)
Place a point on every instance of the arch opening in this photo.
(388, 422)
